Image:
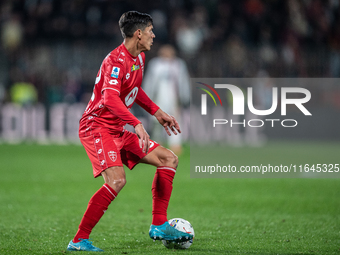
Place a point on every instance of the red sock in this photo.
(161, 192)
(97, 206)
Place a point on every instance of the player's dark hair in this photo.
(130, 21)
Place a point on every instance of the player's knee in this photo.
(118, 183)
(169, 159)
(175, 160)
(115, 178)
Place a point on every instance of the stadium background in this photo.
(54, 49)
(57, 46)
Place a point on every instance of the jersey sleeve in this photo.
(145, 102)
(113, 73)
(116, 106)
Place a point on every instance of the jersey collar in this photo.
(134, 58)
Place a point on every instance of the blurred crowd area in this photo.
(53, 48)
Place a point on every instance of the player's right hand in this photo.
(143, 137)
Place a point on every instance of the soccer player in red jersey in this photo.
(109, 145)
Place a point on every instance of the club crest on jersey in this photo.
(113, 155)
(135, 67)
(115, 72)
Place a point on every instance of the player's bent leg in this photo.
(161, 157)
(115, 180)
(166, 162)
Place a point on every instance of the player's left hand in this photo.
(168, 122)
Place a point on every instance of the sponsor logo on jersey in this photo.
(112, 155)
(115, 72)
(130, 98)
(135, 67)
(113, 82)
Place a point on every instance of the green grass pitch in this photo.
(44, 191)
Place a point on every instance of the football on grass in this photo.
(183, 226)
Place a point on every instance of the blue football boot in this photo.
(83, 245)
(166, 232)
